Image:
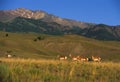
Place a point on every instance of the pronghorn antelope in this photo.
(82, 58)
(96, 59)
(9, 56)
(74, 58)
(62, 57)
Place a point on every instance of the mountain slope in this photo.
(30, 25)
(25, 13)
(102, 32)
(23, 20)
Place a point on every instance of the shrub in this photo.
(6, 35)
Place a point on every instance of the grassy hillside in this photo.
(28, 45)
(30, 70)
(99, 31)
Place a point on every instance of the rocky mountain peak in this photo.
(38, 14)
(27, 13)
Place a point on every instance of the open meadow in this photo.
(40, 46)
(35, 58)
(31, 70)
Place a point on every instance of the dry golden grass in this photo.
(32, 70)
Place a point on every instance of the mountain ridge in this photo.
(38, 14)
(24, 20)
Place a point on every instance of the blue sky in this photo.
(94, 11)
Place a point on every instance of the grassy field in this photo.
(26, 45)
(36, 60)
(32, 70)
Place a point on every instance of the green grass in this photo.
(31, 70)
(23, 45)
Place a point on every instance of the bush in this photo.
(39, 38)
(6, 35)
(35, 40)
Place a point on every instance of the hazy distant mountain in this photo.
(23, 20)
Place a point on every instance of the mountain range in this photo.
(24, 20)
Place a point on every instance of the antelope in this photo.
(62, 57)
(82, 58)
(9, 56)
(96, 59)
(74, 58)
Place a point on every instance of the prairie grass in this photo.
(41, 70)
(23, 45)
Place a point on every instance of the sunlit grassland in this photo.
(23, 45)
(41, 70)
(36, 61)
